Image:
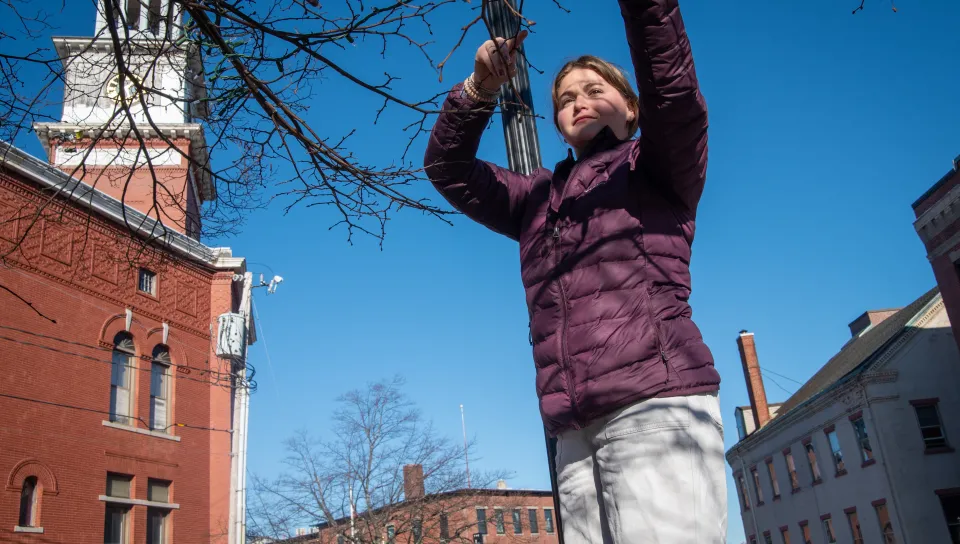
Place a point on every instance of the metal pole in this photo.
(523, 156)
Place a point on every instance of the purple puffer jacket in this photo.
(604, 240)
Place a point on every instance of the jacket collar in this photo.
(603, 141)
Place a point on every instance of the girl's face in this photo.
(586, 103)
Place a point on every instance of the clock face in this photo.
(129, 88)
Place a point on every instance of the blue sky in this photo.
(825, 127)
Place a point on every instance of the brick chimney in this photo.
(413, 482)
(868, 319)
(751, 372)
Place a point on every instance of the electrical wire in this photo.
(266, 351)
(82, 409)
(92, 346)
(176, 375)
(780, 375)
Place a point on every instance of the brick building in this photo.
(122, 337)
(938, 225)
(501, 515)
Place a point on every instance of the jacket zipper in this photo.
(563, 335)
(656, 328)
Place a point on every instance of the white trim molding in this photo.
(138, 430)
(34, 530)
(140, 502)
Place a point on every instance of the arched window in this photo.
(121, 379)
(160, 389)
(28, 502)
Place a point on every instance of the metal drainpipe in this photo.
(883, 462)
(746, 489)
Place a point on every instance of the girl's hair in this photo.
(612, 74)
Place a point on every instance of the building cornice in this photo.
(199, 155)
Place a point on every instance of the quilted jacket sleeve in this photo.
(673, 114)
(491, 195)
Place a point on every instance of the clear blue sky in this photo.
(825, 127)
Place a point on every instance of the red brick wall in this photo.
(462, 520)
(83, 275)
(137, 189)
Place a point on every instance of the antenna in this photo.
(466, 455)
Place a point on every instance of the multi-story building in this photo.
(460, 516)
(938, 225)
(864, 450)
(122, 337)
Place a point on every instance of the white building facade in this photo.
(864, 451)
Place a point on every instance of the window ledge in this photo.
(868, 463)
(138, 430)
(140, 502)
(35, 530)
(935, 451)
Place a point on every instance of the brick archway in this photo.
(32, 467)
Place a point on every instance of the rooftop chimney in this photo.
(751, 371)
(413, 482)
(868, 319)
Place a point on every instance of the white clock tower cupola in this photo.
(132, 95)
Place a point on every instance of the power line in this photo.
(176, 375)
(780, 375)
(91, 346)
(82, 409)
(266, 351)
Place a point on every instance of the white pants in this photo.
(652, 472)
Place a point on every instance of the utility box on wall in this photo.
(232, 336)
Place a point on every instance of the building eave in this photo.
(85, 196)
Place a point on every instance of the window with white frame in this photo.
(498, 517)
(534, 521)
(548, 520)
(160, 389)
(517, 522)
(147, 282)
(931, 426)
(121, 379)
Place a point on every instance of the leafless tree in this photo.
(250, 71)
(376, 432)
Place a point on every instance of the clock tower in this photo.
(132, 96)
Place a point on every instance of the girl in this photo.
(625, 381)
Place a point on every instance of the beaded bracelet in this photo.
(478, 93)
